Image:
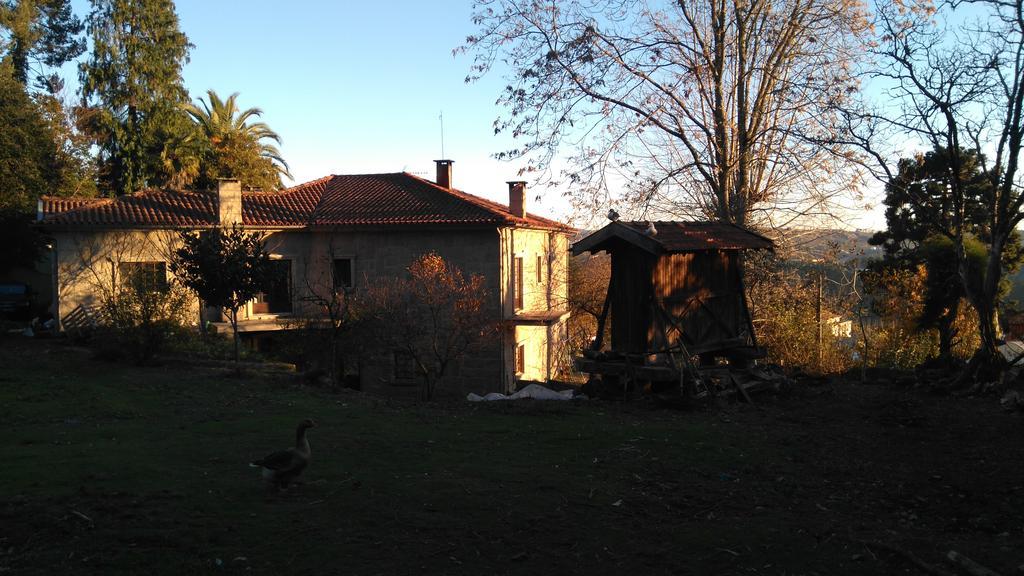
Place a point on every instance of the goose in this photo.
(280, 468)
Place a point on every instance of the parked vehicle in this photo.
(15, 300)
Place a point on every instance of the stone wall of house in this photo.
(387, 254)
(544, 258)
(545, 264)
(88, 264)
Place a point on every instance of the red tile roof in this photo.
(370, 200)
(152, 208)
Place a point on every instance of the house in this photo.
(338, 232)
(676, 291)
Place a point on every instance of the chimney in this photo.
(444, 173)
(229, 202)
(517, 198)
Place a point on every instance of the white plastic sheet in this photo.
(532, 391)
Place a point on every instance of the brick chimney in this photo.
(444, 173)
(517, 198)
(229, 202)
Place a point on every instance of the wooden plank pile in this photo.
(617, 375)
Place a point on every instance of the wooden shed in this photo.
(676, 288)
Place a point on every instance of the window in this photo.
(276, 298)
(518, 279)
(344, 276)
(540, 268)
(520, 359)
(147, 276)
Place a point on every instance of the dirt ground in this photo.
(882, 474)
(110, 469)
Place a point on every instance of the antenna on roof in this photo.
(441, 118)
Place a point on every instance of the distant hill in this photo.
(1017, 289)
(809, 245)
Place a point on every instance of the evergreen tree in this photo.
(75, 167)
(26, 170)
(42, 31)
(26, 148)
(918, 205)
(225, 267)
(35, 36)
(133, 81)
(235, 146)
(920, 215)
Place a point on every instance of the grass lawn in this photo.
(113, 469)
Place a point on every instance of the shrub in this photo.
(897, 339)
(784, 307)
(139, 318)
(208, 345)
(432, 316)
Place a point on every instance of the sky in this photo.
(358, 87)
(353, 87)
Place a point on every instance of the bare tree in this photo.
(328, 303)
(119, 280)
(721, 109)
(432, 316)
(953, 75)
(588, 289)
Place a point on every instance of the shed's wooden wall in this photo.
(704, 290)
(630, 297)
(701, 288)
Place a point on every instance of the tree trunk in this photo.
(945, 328)
(989, 297)
(19, 60)
(599, 337)
(987, 329)
(983, 296)
(427, 391)
(334, 360)
(234, 332)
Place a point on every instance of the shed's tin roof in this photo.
(671, 236)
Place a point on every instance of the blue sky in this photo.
(357, 87)
(353, 87)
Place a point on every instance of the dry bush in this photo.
(895, 339)
(783, 306)
(139, 319)
(588, 286)
(434, 315)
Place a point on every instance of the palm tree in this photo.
(221, 122)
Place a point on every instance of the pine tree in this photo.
(26, 147)
(920, 232)
(44, 32)
(133, 80)
(27, 169)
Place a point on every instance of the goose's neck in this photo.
(301, 443)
